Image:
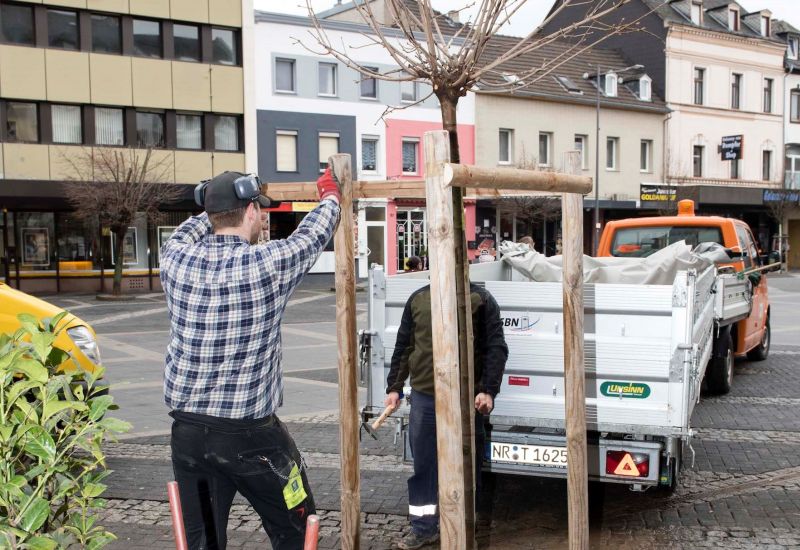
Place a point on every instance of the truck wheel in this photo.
(761, 351)
(720, 371)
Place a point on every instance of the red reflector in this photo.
(519, 381)
(623, 463)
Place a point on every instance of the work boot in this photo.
(414, 540)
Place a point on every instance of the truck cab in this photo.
(640, 237)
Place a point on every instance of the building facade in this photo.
(310, 106)
(720, 70)
(79, 75)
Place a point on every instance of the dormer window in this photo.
(568, 84)
(645, 87)
(697, 13)
(766, 25)
(733, 19)
(610, 85)
(793, 47)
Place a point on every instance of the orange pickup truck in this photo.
(640, 237)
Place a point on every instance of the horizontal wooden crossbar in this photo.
(461, 175)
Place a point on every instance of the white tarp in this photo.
(659, 268)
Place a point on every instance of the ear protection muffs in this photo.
(200, 192)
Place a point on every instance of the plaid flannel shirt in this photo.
(225, 299)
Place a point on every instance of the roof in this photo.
(780, 26)
(714, 18)
(446, 24)
(548, 87)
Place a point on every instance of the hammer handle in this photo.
(382, 418)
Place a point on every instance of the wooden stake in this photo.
(461, 175)
(574, 368)
(441, 244)
(345, 280)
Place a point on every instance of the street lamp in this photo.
(586, 76)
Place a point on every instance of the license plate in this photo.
(538, 455)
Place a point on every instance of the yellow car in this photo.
(78, 339)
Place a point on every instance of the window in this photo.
(369, 86)
(149, 129)
(146, 38)
(580, 145)
(612, 150)
(734, 169)
(697, 161)
(697, 13)
(640, 242)
(736, 91)
(16, 23)
(408, 91)
(62, 29)
(733, 19)
(611, 85)
(328, 146)
(568, 85)
(286, 151)
(327, 79)
(645, 155)
(226, 133)
(187, 42)
(699, 85)
(793, 49)
(22, 122)
(369, 154)
(765, 26)
(767, 95)
(766, 165)
(66, 124)
(545, 140)
(795, 106)
(109, 128)
(410, 156)
(284, 75)
(506, 139)
(223, 47)
(645, 89)
(189, 131)
(106, 35)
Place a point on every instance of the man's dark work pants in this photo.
(213, 458)
(423, 486)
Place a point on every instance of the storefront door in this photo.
(412, 236)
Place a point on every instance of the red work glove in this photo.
(328, 186)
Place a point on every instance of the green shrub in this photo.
(52, 425)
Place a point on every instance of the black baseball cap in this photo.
(231, 190)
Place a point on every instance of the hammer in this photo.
(372, 429)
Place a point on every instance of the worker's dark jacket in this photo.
(413, 352)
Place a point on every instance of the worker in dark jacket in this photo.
(413, 354)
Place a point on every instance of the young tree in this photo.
(113, 185)
(455, 59)
(781, 203)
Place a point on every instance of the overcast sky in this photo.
(529, 15)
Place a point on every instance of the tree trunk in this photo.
(465, 352)
(119, 236)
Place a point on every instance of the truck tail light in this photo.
(623, 463)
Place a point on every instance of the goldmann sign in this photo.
(657, 193)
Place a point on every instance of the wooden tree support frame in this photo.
(441, 177)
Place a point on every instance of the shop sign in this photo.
(732, 147)
(658, 193)
(771, 195)
(304, 206)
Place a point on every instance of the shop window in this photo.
(22, 122)
(149, 130)
(109, 128)
(223, 46)
(16, 24)
(147, 38)
(35, 232)
(106, 34)
(78, 243)
(189, 131)
(226, 133)
(67, 126)
(187, 42)
(62, 29)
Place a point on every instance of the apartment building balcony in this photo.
(791, 180)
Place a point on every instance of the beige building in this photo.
(164, 75)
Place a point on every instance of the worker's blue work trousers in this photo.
(423, 486)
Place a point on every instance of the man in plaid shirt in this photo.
(223, 383)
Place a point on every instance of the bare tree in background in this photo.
(781, 204)
(112, 186)
(454, 60)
